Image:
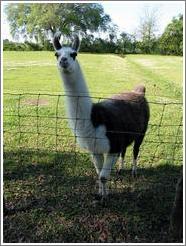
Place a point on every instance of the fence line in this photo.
(65, 93)
(27, 121)
(84, 94)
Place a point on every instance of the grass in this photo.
(49, 182)
(161, 75)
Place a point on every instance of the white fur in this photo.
(79, 106)
(121, 163)
(134, 170)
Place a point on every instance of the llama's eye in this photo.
(73, 55)
(56, 55)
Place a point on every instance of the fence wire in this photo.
(37, 122)
(36, 130)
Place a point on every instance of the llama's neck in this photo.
(79, 106)
(74, 82)
(78, 101)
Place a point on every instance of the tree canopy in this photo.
(42, 20)
(171, 42)
(38, 22)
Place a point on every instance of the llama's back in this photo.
(125, 117)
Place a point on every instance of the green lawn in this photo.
(49, 182)
(37, 72)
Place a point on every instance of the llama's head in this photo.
(66, 56)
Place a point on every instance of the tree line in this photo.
(37, 23)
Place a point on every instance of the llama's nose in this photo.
(64, 62)
(63, 59)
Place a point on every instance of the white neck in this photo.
(78, 101)
(79, 106)
(74, 83)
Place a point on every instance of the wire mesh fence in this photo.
(37, 122)
(45, 172)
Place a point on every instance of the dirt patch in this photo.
(35, 102)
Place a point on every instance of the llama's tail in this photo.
(140, 89)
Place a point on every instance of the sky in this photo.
(126, 14)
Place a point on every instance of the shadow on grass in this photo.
(50, 199)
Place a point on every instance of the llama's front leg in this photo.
(98, 160)
(134, 168)
(121, 164)
(109, 161)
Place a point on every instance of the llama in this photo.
(106, 128)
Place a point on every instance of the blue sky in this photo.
(126, 14)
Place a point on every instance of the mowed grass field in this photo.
(49, 183)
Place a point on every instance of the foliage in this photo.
(40, 21)
(9, 46)
(150, 47)
(126, 44)
(171, 42)
(26, 46)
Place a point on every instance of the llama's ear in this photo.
(56, 43)
(76, 43)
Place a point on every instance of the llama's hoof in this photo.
(119, 171)
(103, 200)
(100, 200)
(98, 197)
(103, 180)
(134, 174)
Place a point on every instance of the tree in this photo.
(126, 43)
(171, 41)
(87, 43)
(41, 21)
(147, 29)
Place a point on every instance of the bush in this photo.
(27, 46)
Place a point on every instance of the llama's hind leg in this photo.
(121, 161)
(109, 161)
(137, 144)
(98, 160)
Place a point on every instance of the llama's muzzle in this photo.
(64, 62)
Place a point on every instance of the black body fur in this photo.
(126, 119)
